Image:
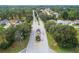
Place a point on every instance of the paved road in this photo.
(33, 45)
(44, 36)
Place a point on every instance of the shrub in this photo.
(65, 36)
(8, 38)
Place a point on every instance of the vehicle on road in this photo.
(38, 35)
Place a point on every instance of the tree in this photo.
(65, 15)
(24, 28)
(49, 24)
(8, 38)
(71, 14)
(2, 35)
(65, 36)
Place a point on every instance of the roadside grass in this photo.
(77, 49)
(78, 33)
(51, 42)
(16, 47)
(54, 46)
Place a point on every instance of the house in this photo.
(64, 22)
(18, 22)
(4, 22)
(56, 14)
(15, 22)
(60, 22)
(7, 25)
(76, 22)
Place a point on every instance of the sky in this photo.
(39, 2)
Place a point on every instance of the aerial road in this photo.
(33, 45)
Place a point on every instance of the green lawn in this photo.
(52, 44)
(16, 47)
